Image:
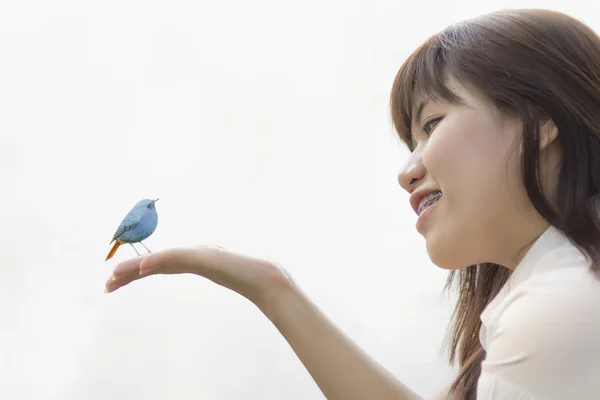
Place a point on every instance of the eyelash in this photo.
(429, 123)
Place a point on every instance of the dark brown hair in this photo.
(529, 63)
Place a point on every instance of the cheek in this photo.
(471, 165)
(451, 159)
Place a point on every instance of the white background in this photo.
(263, 127)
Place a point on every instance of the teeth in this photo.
(432, 198)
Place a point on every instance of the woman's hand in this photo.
(338, 366)
(257, 280)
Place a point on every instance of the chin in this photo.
(443, 254)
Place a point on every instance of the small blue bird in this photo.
(137, 225)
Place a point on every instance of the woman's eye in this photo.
(429, 125)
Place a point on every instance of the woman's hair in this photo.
(535, 64)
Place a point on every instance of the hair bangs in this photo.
(422, 77)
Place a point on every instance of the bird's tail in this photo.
(113, 250)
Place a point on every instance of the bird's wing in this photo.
(128, 222)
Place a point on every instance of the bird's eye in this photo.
(149, 205)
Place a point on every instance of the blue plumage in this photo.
(137, 225)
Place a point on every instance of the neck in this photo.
(520, 241)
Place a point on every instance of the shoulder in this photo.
(545, 336)
(559, 297)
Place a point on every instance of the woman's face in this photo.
(470, 152)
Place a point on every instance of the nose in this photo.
(413, 171)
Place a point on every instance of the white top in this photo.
(542, 331)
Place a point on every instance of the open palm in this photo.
(253, 278)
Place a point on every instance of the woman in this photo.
(502, 117)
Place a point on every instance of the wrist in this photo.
(272, 298)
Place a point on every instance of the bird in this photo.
(137, 225)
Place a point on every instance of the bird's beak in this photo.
(157, 200)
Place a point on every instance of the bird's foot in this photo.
(145, 247)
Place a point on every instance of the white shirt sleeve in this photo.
(544, 342)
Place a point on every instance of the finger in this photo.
(202, 260)
(123, 274)
(176, 260)
(198, 259)
(128, 267)
(114, 283)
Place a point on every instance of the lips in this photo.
(421, 197)
(428, 200)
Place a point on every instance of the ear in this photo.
(548, 133)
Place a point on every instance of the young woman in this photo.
(502, 117)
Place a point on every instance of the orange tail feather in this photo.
(113, 250)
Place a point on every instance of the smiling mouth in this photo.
(429, 200)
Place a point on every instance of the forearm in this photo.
(338, 366)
